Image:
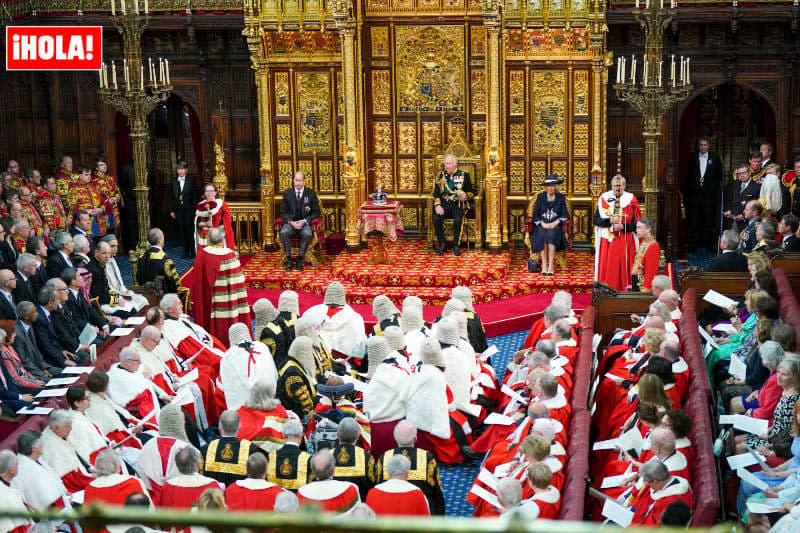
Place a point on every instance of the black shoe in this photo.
(289, 264)
(299, 264)
(440, 250)
(471, 455)
(456, 250)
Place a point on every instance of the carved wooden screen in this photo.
(554, 120)
(418, 77)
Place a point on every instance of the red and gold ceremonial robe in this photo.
(88, 196)
(113, 489)
(645, 264)
(64, 461)
(107, 184)
(52, 209)
(650, 504)
(252, 495)
(218, 213)
(34, 218)
(64, 181)
(332, 495)
(219, 298)
(182, 491)
(397, 497)
(615, 250)
(262, 428)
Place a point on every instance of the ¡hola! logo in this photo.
(54, 47)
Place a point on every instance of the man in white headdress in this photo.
(308, 326)
(297, 389)
(459, 371)
(386, 394)
(288, 311)
(386, 313)
(244, 364)
(342, 328)
(477, 333)
(268, 330)
(414, 332)
(397, 345)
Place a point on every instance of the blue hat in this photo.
(553, 179)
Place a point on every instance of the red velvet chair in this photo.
(561, 256)
(317, 240)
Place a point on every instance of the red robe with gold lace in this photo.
(52, 209)
(64, 181)
(34, 218)
(88, 196)
(107, 184)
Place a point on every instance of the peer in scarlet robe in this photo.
(212, 214)
(112, 420)
(645, 263)
(423, 474)
(113, 489)
(342, 331)
(650, 504)
(547, 501)
(331, 495)
(263, 428)
(219, 297)
(190, 340)
(40, 485)
(65, 462)
(397, 497)
(156, 464)
(183, 490)
(52, 207)
(252, 495)
(385, 400)
(133, 391)
(11, 499)
(87, 195)
(108, 188)
(86, 437)
(615, 249)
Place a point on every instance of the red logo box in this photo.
(54, 47)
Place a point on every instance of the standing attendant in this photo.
(212, 213)
(183, 207)
(743, 189)
(615, 224)
(700, 190)
(299, 208)
(648, 255)
(549, 214)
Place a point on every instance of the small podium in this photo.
(380, 220)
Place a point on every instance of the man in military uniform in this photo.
(752, 215)
(155, 263)
(226, 457)
(451, 192)
(757, 172)
(269, 332)
(386, 313)
(424, 472)
(296, 384)
(288, 466)
(351, 460)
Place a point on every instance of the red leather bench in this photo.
(788, 306)
(573, 493)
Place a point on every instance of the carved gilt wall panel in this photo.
(549, 89)
(313, 102)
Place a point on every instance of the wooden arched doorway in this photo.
(736, 119)
(175, 134)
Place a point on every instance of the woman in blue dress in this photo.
(549, 214)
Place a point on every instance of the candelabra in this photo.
(656, 95)
(134, 96)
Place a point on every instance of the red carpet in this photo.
(414, 270)
(506, 314)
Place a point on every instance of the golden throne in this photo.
(561, 255)
(469, 160)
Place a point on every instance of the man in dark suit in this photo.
(8, 250)
(299, 207)
(44, 329)
(36, 247)
(79, 307)
(741, 192)
(767, 154)
(787, 227)
(83, 226)
(26, 269)
(729, 260)
(8, 305)
(26, 346)
(700, 190)
(64, 325)
(183, 208)
(59, 259)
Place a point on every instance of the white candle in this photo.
(113, 7)
(125, 69)
(136, 6)
(127, 78)
(114, 74)
(146, 6)
(100, 77)
(150, 70)
(659, 72)
(619, 68)
(672, 75)
(161, 69)
(688, 77)
(123, 7)
(662, 3)
(166, 68)
(633, 69)
(141, 78)
(644, 71)
(637, 4)
(647, 4)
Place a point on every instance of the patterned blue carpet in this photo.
(457, 480)
(173, 251)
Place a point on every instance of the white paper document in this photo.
(631, 440)
(77, 497)
(498, 420)
(471, 409)
(760, 508)
(77, 369)
(726, 328)
(708, 339)
(737, 368)
(121, 332)
(720, 300)
(617, 513)
(758, 458)
(484, 494)
(488, 352)
(488, 479)
(505, 389)
(35, 411)
(62, 381)
(727, 419)
(610, 444)
(756, 426)
(189, 377)
(743, 460)
(746, 475)
(51, 393)
(88, 335)
(611, 482)
(134, 320)
(615, 379)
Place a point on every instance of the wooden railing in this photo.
(247, 221)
